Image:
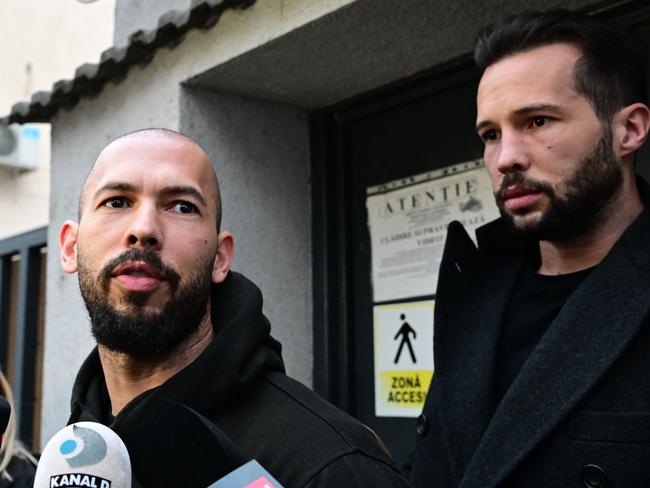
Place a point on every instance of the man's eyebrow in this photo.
(539, 107)
(482, 123)
(528, 109)
(113, 186)
(184, 190)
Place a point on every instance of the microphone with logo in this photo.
(172, 445)
(84, 454)
(5, 413)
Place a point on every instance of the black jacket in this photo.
(578, 413)
(22, 473)
(238, 382)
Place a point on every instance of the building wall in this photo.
(261, 154)
(336, 49)
(42, 42)
(131, 16)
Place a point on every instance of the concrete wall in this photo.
(132, 15)
(337, 49)
(261, 154)
(362, 46)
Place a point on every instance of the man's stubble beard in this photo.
(133, 330)
(584, 204)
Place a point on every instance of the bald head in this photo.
(182, 147)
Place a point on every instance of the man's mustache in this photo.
(521, 181)
(151, 258)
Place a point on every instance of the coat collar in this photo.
(594, 327)
(466, 361)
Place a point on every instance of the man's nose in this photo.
(144, 229)
(513, 155)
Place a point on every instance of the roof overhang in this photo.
(114, 63)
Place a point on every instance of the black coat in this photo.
(578, 413)
(238, 383)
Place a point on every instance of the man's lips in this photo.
(518, 198)
(137, 276)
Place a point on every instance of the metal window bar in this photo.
(21, 305)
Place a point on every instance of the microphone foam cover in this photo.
(84, 454)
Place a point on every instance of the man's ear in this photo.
(224, 257)
(68, 246)
(632, 125)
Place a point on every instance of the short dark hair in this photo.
(610, 73)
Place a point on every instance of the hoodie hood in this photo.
(241, 352)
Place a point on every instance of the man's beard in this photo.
(597, 178)
(133, 330)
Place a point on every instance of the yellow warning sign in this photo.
(405, 388)
(403, 340)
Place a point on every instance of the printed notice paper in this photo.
(408, 221)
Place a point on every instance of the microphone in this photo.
(172, 445)
(84, 454)
(250, 475)
(5, 413)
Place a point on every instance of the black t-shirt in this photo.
(535, 303)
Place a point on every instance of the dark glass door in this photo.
(409, 131)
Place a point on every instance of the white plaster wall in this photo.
(150, 96)
(42, 42)
(54, 38)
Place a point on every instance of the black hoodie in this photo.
(238, 382)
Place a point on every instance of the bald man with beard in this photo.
(173, 322)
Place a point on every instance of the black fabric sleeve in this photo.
(358, 470)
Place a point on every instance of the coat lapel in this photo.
(594, 327)
(470, 343)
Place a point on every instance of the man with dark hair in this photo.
(541, 332)
(173, 322)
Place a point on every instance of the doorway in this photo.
(418, 127)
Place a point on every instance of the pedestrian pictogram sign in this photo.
(403, 343)
(405, 332)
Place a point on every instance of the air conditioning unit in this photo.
(20, 147)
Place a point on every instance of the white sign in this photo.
(403, 349)
(408, 221)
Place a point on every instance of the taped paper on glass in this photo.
(403, 352)
(408, 221)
